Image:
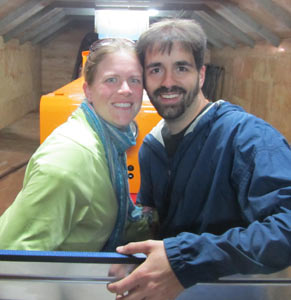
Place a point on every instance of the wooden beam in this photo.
(242, 20)
(213, 41)
(282, 15)
(229, 27)
(211, 38)
(46, 39)
(44, 34)
(32, 33)
(41, 17)
(20, 14)
(38, 21)
(214, 28)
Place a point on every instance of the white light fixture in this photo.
(153, 12)
(121, 23)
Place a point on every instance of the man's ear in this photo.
(202, 73)
(87, 91)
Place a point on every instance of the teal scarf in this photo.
(115, 142)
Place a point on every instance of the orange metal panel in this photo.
(56, 107)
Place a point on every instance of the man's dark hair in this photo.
(164, 33)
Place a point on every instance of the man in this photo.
(220, 178)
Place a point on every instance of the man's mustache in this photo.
(173, 89)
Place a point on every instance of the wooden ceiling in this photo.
(226, 22)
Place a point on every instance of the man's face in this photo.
(171, 80)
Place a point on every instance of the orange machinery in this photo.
(56, 107)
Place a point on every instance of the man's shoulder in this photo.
(234, 115)
(155, 135)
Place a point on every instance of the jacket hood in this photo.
(213, 112)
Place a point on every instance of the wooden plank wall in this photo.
(259, 80)
(59, 56)
(19, 80)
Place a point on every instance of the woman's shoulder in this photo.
(72, 145)
(77, 130)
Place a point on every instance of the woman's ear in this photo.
(87, 91)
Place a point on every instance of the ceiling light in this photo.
(153, 12)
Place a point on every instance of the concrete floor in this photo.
(17, 143)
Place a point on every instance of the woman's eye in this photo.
(111, 80)
(136, 80)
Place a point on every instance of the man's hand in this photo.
(152, 280)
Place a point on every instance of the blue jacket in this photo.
(224, 200)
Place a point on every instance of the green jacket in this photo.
(67, 201)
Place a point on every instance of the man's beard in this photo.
(174, 111)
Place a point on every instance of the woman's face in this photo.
(116, 92)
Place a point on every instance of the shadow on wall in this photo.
(87, 41)
(213, 83)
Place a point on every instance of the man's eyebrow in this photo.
(183, 63)
(178, 63)
(153, 65)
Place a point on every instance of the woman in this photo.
(75, 191)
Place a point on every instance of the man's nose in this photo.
(125, 88)
(168, 80)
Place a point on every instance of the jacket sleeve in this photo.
(42, 215)
(262, 179)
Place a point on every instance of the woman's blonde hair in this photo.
(100, 49)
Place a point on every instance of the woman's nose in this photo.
(125, 88)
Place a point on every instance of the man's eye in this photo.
(182, 69)
(155, 70)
